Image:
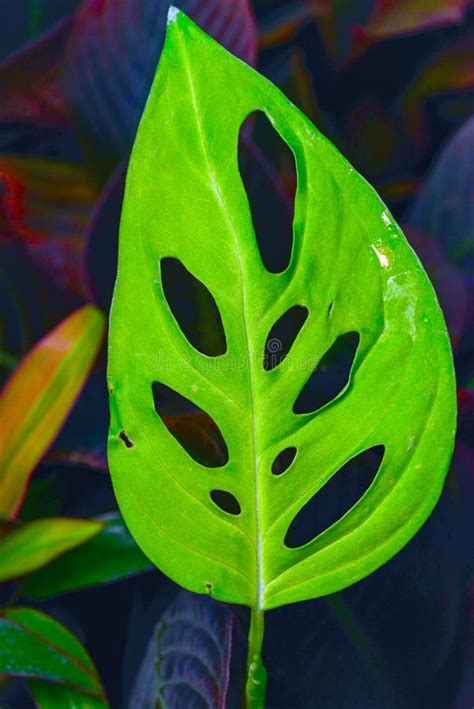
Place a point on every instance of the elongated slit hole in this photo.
(193, 428)
(330, 377)
(274, 181)
(193, 308)
(282, 336)
(344, 489)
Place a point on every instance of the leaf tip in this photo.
(173, 13)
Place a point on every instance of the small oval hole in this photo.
(194, 308)
(226, 501)
(330, 376)
(283, 460)
(192, 427)
(282, 336)
(336, 498)
(267, 167)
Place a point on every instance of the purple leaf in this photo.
(114, 50)
(444, 214)
(187, 663)
(30, 80)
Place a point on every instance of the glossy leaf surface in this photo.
(52, 696)
(38, 396)
(35, 645)
(109, 556)
(351, 267)
(34, 544)
(187, 662)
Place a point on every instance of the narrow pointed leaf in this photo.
(109, 556)
(353, 270)
(398, 18)
(38, 397)
(34, 544)
(36, 646)
(445, 72)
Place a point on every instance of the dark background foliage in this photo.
(396, 96)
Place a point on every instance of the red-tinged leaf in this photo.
(282, 24)
(47, 205)
(398, 18)
(31, 545)
(38, 397)
(450, 70)
(114, 50)
(465, 402)
(336, 26)
(36, 646)
(30, 80)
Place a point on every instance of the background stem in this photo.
(35, 17)
(256, 673)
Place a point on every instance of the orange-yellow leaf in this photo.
(398, 18)
(38, 397)
(33, 544)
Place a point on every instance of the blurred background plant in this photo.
(392, 85)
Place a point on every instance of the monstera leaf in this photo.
(224, 526)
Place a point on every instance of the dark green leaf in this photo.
(35, 645)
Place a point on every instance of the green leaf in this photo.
(38, 396)
(109, 556)
(52, 696)
(351, 267)
(34, 544)
(34, 645)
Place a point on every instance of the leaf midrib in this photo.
(216, 189)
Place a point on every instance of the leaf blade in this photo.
(34, 544)
(109, 556)
(38, 396)
(362, 277)
(35, 645)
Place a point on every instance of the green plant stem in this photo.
(256, 673)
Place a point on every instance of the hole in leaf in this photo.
(336, 498)
(330, 376)
(123, 437)
(192, 427)
(282, 336)
(283, 460)
(267, 167)
(193, 307)
(226, 501)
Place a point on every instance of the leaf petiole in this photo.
(256, 673)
